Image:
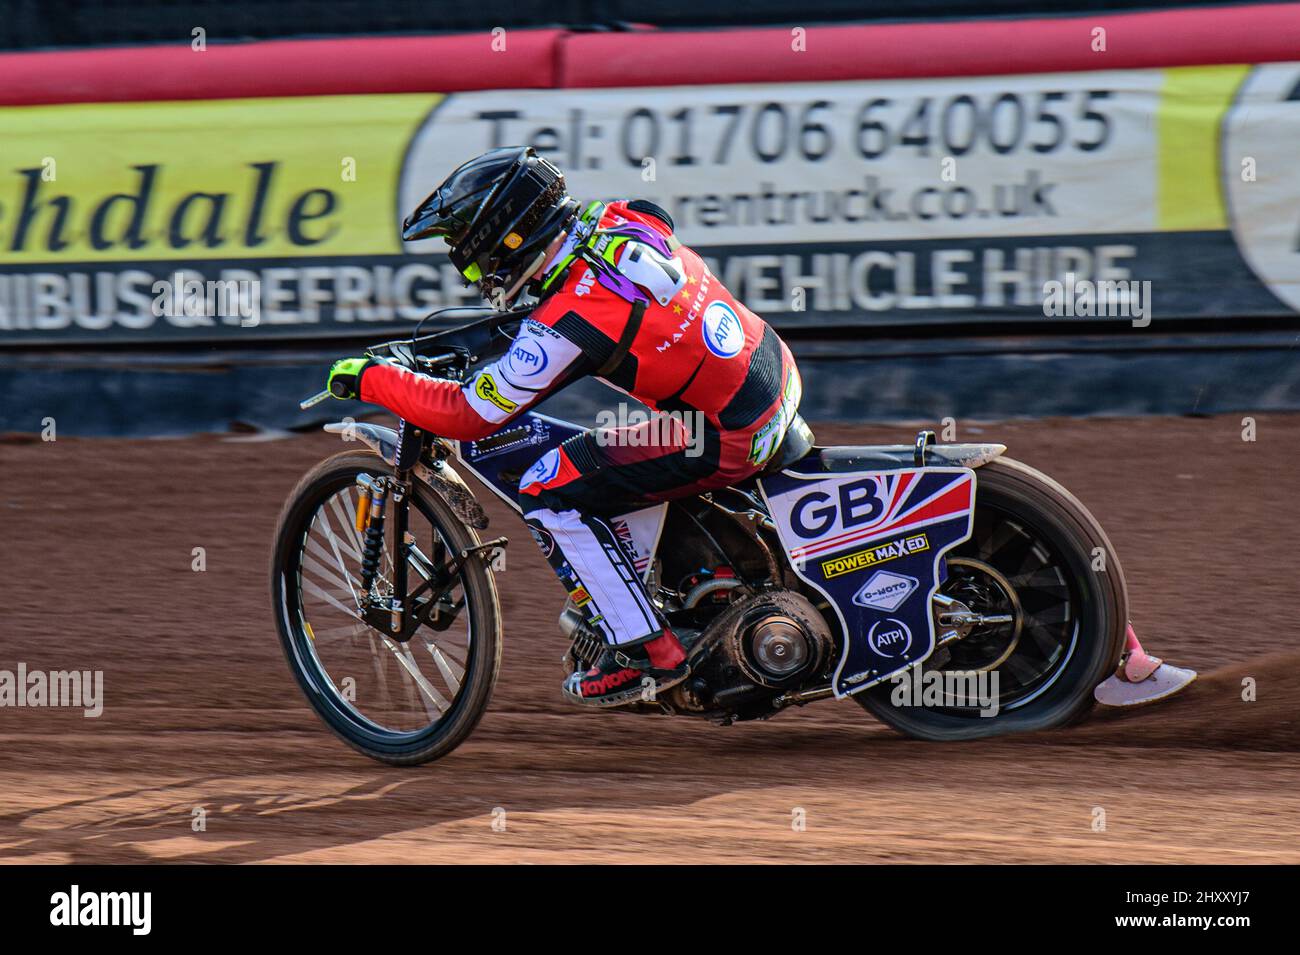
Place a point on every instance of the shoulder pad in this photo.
(646, 207)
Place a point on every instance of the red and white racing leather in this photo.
(698, 349)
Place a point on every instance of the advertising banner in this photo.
(837, 204)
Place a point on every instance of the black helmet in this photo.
(499, 212)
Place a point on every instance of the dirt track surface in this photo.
(201, 711)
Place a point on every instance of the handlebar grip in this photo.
(314, 400)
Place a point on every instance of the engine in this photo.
(759, 646)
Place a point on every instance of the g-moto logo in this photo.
(818, 513)
(885, 590)
(890, 638)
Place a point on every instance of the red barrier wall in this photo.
(1248, 34)
(555, 58)
(442, 64)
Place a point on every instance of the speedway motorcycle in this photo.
(836, 573)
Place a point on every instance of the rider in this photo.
(621, 299)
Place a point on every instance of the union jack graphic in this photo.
(912, 499)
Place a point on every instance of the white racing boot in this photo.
(1141, 678)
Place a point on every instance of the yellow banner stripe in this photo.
(228, 179)
(1193, 102)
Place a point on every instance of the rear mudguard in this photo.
(867, 529)
(889, 457)
(441, 477)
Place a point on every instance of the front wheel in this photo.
(398, 702)
(1041, 563)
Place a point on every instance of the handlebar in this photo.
(458, 347)
(314, 400)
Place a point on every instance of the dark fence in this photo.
(910, 380)
(33, 24)
(895, 320)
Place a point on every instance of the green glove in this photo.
(345, 377)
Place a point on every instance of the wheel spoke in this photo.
(329, 576)
(435, 703)
(452, 674)
(377, 660)
(349, 652)
(1007, 569)
(1047, 643)
(348, 522)
(1020, 668)
(335, 633)
(1011, 550)
(321, 525)
(312, 588)
(1038, 578)
(1045, 606)
(334, 546)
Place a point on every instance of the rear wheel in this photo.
(397, 702)
(1039, 563)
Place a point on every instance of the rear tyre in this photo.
(399, 703)
(1031, 556)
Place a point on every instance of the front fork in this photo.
(400, 614)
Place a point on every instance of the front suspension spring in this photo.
(372, 548)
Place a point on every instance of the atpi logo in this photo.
(723, 333)
(885, 590)
(527, 357)
(890, 638)
(544, 469)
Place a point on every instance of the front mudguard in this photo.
(440, 476)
